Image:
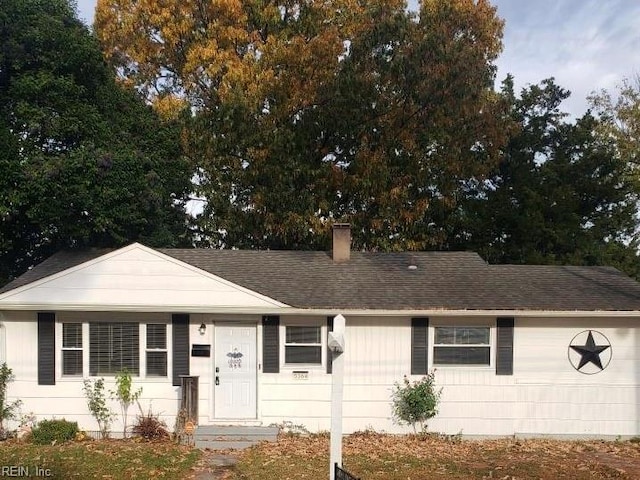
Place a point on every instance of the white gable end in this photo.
(136, 277)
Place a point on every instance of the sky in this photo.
(587, 45)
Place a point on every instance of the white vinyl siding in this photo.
(545, 396)
(462, 345)
(134, 278)
(3, 347)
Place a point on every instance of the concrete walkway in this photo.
(214, 465)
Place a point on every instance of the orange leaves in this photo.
(395, 457)
(306, 111)
(225, 49)
(169, 106)
(466, 20)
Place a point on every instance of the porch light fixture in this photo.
(202, 329)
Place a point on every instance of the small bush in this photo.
(50, 431)
(150, 427)
(97, 403)
(8, 410)
(415, 403)
(125, 395)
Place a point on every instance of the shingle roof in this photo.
(441, 280)
(368, 280)
(55, 263)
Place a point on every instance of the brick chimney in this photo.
(341, 251)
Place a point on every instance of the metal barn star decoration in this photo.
(590, 352)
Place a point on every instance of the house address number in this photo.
(300, 375)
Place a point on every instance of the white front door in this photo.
(235, 371)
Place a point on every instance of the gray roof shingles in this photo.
(442, 280)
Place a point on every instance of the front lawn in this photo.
(103, 459)
(374, 456)
(369, 456)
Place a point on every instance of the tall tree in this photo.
(417, 118)
(83, 162)
(560, 194)
(619, 116)
(308, 111)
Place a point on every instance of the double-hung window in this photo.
(114, 347)
(156, 350)
(462, 345)
(72, 349)
(303, 345)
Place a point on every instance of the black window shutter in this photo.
(419, 346)
(180, 343)
(504, 346)
(46, 348)
(271, 344)
(329, 352)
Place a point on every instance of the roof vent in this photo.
(341, 251)
(413, 267)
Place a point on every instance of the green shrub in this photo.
(58, 431)
(8, 410)
(97, 403)
(125, 395)
(416, 402)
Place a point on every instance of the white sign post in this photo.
(336, 345)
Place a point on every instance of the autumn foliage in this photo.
(284, 117)
(300, 112)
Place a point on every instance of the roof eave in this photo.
(431, 312)
(290, 311)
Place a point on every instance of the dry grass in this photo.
(103, 459)
(367, 455)
(376, 456)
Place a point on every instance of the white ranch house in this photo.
(518, 350)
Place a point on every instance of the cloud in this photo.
(586, 45)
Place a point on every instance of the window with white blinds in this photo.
(114, 347)
(72, 349)
(303, 344)
(156, 350)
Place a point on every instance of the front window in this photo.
(156, 350)
(114, 347)
(71, 349)
(462, 346)
(303, 345)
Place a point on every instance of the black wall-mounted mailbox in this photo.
(199, 350)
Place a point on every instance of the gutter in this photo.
(347, 312)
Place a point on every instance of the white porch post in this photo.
(336, 345)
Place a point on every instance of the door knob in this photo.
(217, 380)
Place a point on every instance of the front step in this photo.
(223, 437)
